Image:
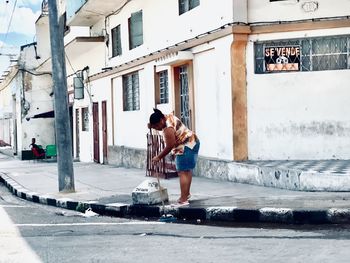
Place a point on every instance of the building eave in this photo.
(186, 44)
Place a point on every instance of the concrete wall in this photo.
(212, 96)
(33, 93)
(131, 126)
(100, 91)
(162, 18)
(213, 103)
(6, 114)
(211, 65)
(298, 115)
(6, 130)
(43, 38)
(88, 54)
(85, 137)
(37, 95)
(290, 10)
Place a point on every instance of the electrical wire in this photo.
(36, 74)
(4, 19)
(10, 22)
(119, 9)
(75, 73)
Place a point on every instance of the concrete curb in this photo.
(210, 214)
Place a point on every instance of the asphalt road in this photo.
(32, 232)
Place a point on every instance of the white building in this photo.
(206, 62)
(129, 74)
(301, 114)
(6, 123)
(255, 79)
(27, 97)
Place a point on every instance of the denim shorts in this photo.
(187, 161)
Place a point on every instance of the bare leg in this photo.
(185, 184)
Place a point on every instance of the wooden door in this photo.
(77, 133)
(96, 132)
(104, 131)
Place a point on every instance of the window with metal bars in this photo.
(85, 119)
(187, 5)
(316, 54)
(185, 115)
(135, 30)
(131, 92)
(163, 87)
(116, 42)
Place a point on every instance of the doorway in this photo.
(77, 133)
(104, 131)
(96, 132)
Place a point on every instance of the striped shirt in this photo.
(183, 135)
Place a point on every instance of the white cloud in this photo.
(23, 20)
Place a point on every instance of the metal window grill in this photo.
(163, 87)
(131, 92)
(184, 97)
(321, 53)
(166, 167)
(187, 5)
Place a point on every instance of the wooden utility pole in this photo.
(62, 124)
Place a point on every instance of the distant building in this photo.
(27, 95)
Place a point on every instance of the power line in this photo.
(9, 25)
(75, 73)
(4, 17)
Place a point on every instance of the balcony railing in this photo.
(73, 6)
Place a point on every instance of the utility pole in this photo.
(62, 124)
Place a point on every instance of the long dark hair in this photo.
(156, 116)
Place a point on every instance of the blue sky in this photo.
(18, 30)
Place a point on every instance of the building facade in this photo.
(27, 97)
(255, 79)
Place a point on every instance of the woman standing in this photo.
(183, 143)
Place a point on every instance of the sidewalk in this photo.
(107, 190)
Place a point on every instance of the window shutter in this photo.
(116, 42)
(183, 6)
(187, 5)
(136, 30)
(194, 3)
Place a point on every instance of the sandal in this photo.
(179, 204)
(188, 199)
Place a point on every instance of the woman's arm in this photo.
(170, 139)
